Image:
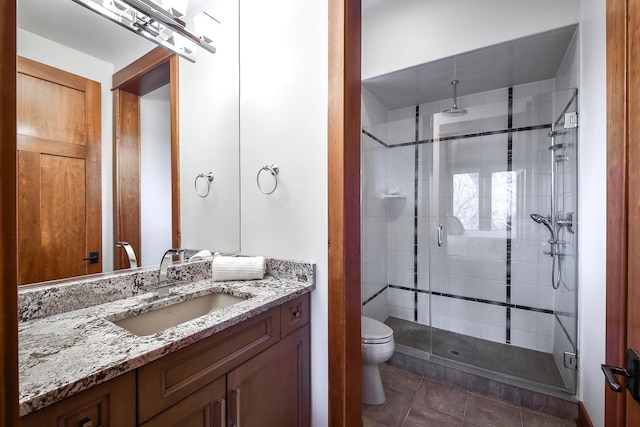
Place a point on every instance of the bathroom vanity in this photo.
(245, 364)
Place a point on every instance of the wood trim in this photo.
(126, 174)
(344, 213)
(617, 202)
(632, 411)
(9, 413)
(174, 77)
(155, 69)
(43, 145)
(583, 419)
(55, 75)
(146, 74)
(93, 172)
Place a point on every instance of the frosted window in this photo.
(503, 199)
(466, 199)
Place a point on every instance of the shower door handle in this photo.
(440, 241)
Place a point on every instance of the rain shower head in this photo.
(454, 111)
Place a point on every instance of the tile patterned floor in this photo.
(415, 401)
(511, 360)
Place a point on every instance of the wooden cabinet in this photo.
(272, 389)
(256, 373)
(204, 408)
(109, 404)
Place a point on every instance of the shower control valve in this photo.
(567, 221)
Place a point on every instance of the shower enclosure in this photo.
(477, 215)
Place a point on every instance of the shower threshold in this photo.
(515, 364)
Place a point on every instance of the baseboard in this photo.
(583, 416)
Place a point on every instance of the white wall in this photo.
(155, 176)
(592, 207)
(209, 135)
(283, 105)
(56, 55)
(400, 34)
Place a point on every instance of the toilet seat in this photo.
(375, 332)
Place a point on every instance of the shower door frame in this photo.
(571, 104)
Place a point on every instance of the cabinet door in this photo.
(205, 408)
(111, 404)
(273, 388)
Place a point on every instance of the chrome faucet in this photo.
(164, 283)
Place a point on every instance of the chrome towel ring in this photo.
(273, 170)
(208, 179)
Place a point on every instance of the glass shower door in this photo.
(492, 302)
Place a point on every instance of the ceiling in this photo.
(515, 62)
(75, 26)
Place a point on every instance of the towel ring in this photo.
(273, 169)
(208, 179)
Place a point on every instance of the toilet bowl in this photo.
(377, 347)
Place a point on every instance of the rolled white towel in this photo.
(238, 268)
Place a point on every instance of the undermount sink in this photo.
(157, 320)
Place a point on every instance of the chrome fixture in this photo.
(164, 283)
(151, 20)
(454, 111)
(131, 255)
(557, 221)
(274, 170)
(208, 179)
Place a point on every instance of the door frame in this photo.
(345, 304)
(623, 217)
(157, 68)
(9, 411)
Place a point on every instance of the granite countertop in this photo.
(65, 353)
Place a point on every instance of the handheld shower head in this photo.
(546, 221)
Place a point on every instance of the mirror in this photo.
(69, 37)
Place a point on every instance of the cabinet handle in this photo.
(236, 391)
(85, 422)
(223, 411)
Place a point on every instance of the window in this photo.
(466, 199)
(503, 199)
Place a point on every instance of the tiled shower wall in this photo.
(468, 273)
(374, 210)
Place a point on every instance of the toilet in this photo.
(377, 347)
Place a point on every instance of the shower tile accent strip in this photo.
(463, 136)
(378, 140)
(415, 213)
(510, 204)
(372, 297)
(480, 300)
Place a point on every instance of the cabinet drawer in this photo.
(204, 408)
(170, 379)
(109, 404)
(295, 314)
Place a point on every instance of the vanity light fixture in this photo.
(163, 26)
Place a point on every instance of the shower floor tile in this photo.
(507, 359)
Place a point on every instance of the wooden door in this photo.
(58, 153)
(623, 199)
(273, 388)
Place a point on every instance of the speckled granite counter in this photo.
(65, 353)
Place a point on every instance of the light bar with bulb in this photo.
(153, 22)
